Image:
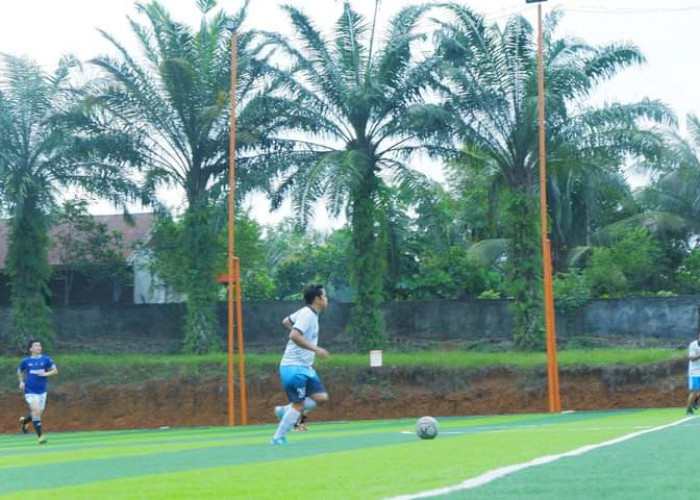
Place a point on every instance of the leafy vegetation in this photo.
(86, 248)
(42, 151)
(345, 117)
(490, 89)
(175, 101)
(360, 106)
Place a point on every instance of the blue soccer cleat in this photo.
(280, 441)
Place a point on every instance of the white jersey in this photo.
(306, 321)
(694, 366)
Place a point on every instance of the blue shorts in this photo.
(693, 383)
(299, 382)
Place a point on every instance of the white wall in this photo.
(148, 287)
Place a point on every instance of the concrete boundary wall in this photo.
(158, 327)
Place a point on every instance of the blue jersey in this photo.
(33, 383)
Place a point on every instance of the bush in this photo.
(630, 264)
(489, 295)
(450, 275)
(687, 276)
(570, 290)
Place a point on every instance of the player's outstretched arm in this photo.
(20, 376)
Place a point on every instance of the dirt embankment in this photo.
(360, 393)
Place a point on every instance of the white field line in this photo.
(494, 474)
(533, 426)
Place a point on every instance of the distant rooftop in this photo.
(131, 234)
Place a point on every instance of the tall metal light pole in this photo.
(552, 366)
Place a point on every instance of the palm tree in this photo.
(669, 208)
(490, 87)
(582, 202)
(360, 108)
(175, 101)
(671, 204)
(42, 152)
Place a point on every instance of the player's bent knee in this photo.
(320, 397)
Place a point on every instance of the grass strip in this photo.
(111, 368)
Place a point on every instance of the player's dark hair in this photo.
(312, 291)
(31, 343)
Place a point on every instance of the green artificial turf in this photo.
(369, 459)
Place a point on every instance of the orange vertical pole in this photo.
(231, 222)
(241, 350)
(552, 366)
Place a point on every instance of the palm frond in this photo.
(487, 252)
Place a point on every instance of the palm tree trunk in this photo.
(369, 265)
(29, 270)
(199, 249)
(523, 269)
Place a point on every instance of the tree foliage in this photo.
(360, 106)
(632, 262)
(87, 248)
(175, 101)
(490, 92)
(297, 257)
(44, 150)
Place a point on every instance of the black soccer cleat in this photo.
(23, 424)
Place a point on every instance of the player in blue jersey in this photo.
(300, 381)
(33, 373)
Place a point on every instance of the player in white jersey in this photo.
(693, 374)
(300, 381)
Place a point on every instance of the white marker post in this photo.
(375, 358)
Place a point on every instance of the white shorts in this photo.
(36, 399)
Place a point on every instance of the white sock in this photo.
(309, 404)
(287, 422)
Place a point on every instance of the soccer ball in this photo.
(427, 428)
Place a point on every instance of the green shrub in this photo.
(687, 276)
(629, 264)
(570, 290)
(489, 295)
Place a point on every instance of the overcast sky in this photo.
(667, 31)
